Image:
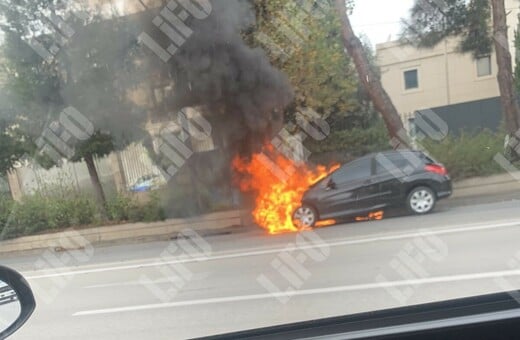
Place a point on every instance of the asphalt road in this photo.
(194, 287)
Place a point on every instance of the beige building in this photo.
(418, 79)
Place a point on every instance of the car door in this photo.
(369, 193)
(383, 186)
(341, 194)
(386, 185)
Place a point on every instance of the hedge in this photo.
(43, 212)
(468, 155)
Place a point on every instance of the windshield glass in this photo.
(159, 160)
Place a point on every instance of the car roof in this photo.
(387, 153)
(384, 153)
(394, 152)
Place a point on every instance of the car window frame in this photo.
(394, 157)
(370, 174)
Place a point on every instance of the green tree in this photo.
(85, 73)
(517, 64)
(13, 146)
(480, 26)
(303, 39)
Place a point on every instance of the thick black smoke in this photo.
(241, 93)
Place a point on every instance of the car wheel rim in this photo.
(305, 217)
(422, 201)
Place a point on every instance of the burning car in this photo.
(278, 185)
(373, 183)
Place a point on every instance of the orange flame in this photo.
(325, 223)
(377, 216)
(278, 185)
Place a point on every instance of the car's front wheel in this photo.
(421, 200)
(305, 216)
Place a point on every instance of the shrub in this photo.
(59, 213)
(39, 213)
(8, 228)
(85, 211)
(124, 207)
(468, 155)
(153, 210)
(6, 206)
(57, 209)
(119, 207)
(31, 215)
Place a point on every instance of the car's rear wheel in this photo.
(421, 200)
(305, 216)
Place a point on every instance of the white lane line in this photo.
(195, 277)
(278, 250)
(336, 289)
(118, 284)
(133, 283)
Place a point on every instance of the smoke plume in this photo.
(234, 84)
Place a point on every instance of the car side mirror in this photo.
(330, 185)
(16, 301)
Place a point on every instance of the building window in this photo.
(484, 66)
(411, 80)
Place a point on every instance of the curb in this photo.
(222, 223)
(487, 190)
(486, 181)
(470, 200)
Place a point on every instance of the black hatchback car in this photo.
(376, 182)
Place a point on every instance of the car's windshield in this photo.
(184, 168)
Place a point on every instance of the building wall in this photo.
(445, 76)
(512, 10)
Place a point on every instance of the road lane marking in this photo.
(304, 292)
(196, 277)
(278, 250)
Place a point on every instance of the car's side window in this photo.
(428, 159)
(395, 163)
(356, 170)
(384, 165)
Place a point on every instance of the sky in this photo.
(379, 19)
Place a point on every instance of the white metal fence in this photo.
(134, 162)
